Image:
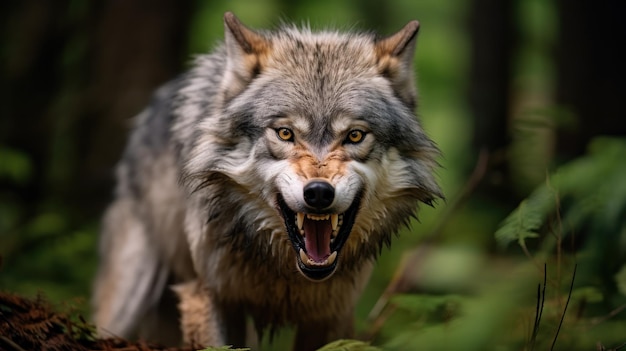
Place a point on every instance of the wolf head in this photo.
(314, 146)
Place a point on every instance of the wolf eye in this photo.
(355, 136)
(285, 134)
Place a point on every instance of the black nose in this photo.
(319, 194)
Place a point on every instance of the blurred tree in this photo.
(591, 71)
(34, 37)
(493, 38)
(134, 47)
(73, 74)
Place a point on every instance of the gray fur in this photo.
(198, 182)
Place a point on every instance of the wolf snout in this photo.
(319, 194)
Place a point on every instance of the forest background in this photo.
(524, 98)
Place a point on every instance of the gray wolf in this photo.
(271, 175)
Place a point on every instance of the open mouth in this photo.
(318, 238)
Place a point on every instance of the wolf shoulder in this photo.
(167, 122)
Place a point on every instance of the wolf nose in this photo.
(319, 194)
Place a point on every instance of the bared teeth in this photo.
(331, 259)
(300, 220)
(309, 262)
(317, 217)
(334, 219)
(303, 256)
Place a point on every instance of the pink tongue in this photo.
(317, 239)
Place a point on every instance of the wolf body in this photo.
(270, 176)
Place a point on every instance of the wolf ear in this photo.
(395, 61)
(245, 54)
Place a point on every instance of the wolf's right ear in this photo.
(395, 61)
(246, 51)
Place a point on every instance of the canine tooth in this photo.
(331, 259)
(300, 219)
(334, 219)
(303, 256)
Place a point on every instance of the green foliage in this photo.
(585, 198)
(593, 187)
(425, 305)
(460, 322)
(349, 345)
(620, 279)
(588, 294)
(527, 219)
(15, 166)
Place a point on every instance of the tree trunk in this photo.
(493, 39)
(591, 72)
(74, 75)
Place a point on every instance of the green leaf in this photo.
(524, 222)
(15, 166)
(589, 294)
(593, 186)
(423, 304)
(349, 345)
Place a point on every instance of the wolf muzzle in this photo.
(318, 234)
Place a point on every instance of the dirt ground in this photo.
(32, 324)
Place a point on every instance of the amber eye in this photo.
(285, 134)
(355, 136)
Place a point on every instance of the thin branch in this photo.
(397, 284)
(378, 323)
(569, 295)
(533, 336)
(541, 298)
(611, 314)
(475, 178)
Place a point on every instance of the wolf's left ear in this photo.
(245, 51)
(395, 61)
